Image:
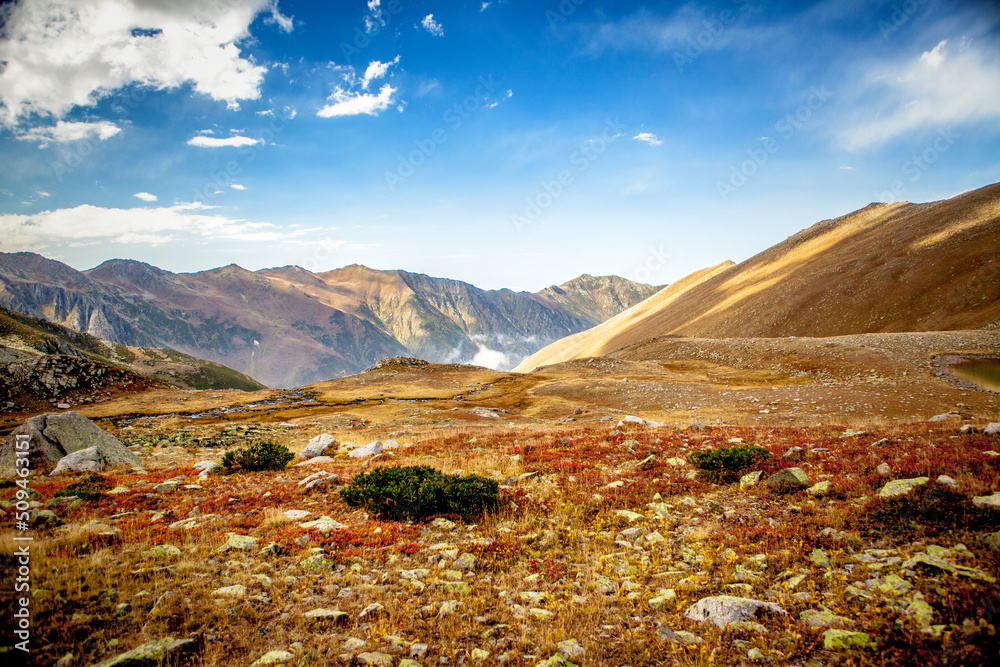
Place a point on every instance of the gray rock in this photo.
(944, 417)
(883, 469)
(723, 610)
(751, 479)
(53, 435)
(991, 501)
(157, 652)
(273, 658)
(901, 487)
(375, 658)
(371, 449)
(789, 479)
(993, 428)
(318, 446)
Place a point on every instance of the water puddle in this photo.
(984, 373)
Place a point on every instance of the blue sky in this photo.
(508, 144)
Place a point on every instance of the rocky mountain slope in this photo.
(40, 360)
(287, 327)
(886, 268)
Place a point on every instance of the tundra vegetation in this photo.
(580, 543)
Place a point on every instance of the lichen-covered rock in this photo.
(991, 501)
(789, 479)
(155, 653)
(54, 435)
(723, 610)
(901, 487)
(318, 446)
(842, 640)
(273, 658)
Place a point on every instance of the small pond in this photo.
(984, 373)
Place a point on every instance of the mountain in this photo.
(885, 268)
(288, 327)
(42, 360)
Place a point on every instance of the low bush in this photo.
(262, 455)
(418, 492)
(91, 487)
(727, 464)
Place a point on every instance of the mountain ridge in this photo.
(286, 326)
(884, 268)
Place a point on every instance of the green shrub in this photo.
(417, 492)
(728, 464)
(262, 455)
(90, 487)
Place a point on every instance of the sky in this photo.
(509, 144)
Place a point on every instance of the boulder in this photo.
(724, 610)
(157, 652)
(993, 428)
(318, 446)
(789, 479)
(54, 435)
(371, 449)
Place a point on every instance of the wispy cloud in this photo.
(203, 141)
(377, 70)
(432, 26)
(145, 196)
(649, 138)
(153, 226)
(64, 132)
(944, 85)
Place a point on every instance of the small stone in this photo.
(375, 658)
(993, 428)
(679, 636)
(945, 479)
(162, 551)
(541, 614)
(755, 655)
(842, 640)
(629, 515)
(237, 591)
(369, 450)
(238, 543)
(478, 655)
(789, 479)
(466, 562)
(822, 618)
(901, 487)
(443, 523)
(371, 611)
(991, 501)
(883, 469)
(724, 610)
(273, 658)
(750, 480)
(819, 557)
(571, 648)
(352, 644)
(819, 488)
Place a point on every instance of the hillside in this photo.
(886, 268)
(287, 327)
(40, 360)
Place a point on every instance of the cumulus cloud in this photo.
(146, 226)
(377, 70)
(204, 141)
(61, 54)
(64, 132)
(350, 98)
(943, 86)
(145, 196)
(432, 26)
(346, 103)
(375, 18)
(491, 359)
(649, 138)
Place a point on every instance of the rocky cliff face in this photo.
(288, 327)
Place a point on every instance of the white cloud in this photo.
(64, 132)
(43, 193)
(237, 186)
(483, 8)
(649, 138)
(284, 22)
(61, 54)
(491, 359)
(503, 98)
(432, 26)
(215, 142)
(145, 226)
(346, 103)
(936, 90)
(377, 70)
(374, 19)
(145, 196)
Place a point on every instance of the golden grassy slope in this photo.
(885, 268)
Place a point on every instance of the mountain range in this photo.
(886, 268)
(289, 327)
